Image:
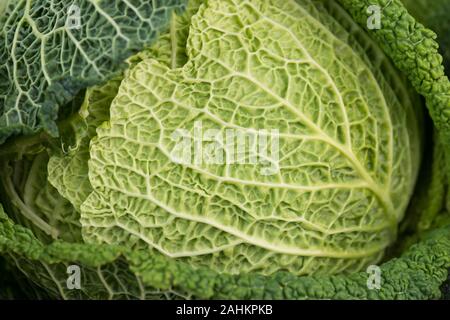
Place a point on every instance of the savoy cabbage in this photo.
(91, 175)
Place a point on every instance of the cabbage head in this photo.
(248, 149)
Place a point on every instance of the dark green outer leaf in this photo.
(418, 274)
(46, 59)
(434, 14)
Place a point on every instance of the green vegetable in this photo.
(333, 193)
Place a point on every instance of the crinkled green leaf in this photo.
(68, 172)
(418, 274)
(52, 49)
(434, 15)
(349, 147)
(110, 271)
(170, 48)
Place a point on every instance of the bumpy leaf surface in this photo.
(348, 147)
(434, 14)
(52, 49)
(414, 50)
(416, 275)
(68, 172)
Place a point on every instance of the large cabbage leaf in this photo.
(349, 147)
(52, 49)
